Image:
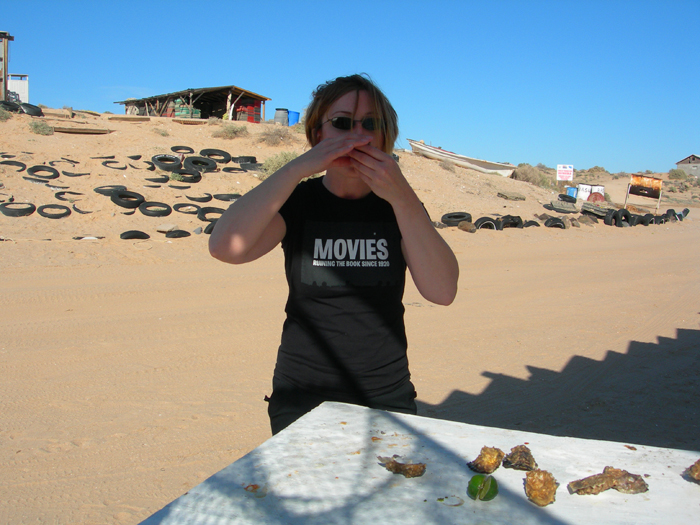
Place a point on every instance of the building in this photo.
(235, 102)
(690, 164)
(19, 85)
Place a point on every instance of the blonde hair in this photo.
(326, 94)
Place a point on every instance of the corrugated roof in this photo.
(200, 91)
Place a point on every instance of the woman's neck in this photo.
(344, 186)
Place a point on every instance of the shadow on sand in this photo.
(649, 396)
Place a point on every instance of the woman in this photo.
(347, 239)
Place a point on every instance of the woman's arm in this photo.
(252, 225)
(432, 263)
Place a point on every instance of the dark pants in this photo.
(288, 403)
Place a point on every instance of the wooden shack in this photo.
(229, 102)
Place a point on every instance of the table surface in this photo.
(323, 469)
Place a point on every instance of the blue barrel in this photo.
(571, 191)
(293, 117)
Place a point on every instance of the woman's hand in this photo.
(382, 174)
(319, 158)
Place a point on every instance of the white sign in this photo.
(565, 172)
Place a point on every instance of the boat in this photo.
(484, 166)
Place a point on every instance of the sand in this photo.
(134, 370)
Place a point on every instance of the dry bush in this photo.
(447, 165)
(276, 135)
(5, 115)
(275, 162)
(161, 132)
(40, 128)
(230, 131)
(676, 174)
(530, 174)
(214, 121)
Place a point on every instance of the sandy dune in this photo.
(133, 370)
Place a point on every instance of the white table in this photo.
(323, 469)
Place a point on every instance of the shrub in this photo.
(527, 173)
(176, 176)
(676, 174)
(230, 131)
(275, 162)
(447, 165)
(276, 135)
(40, 128)
(214, 121)
(161, 132)
(5, 115)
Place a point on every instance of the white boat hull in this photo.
(483, 166)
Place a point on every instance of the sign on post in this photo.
(565, 172)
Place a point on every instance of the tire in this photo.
(186, 150)
(217, 155)
(554, 222)
(685, 212)
(33, 171)
(60, 194)
(8, 209)
(203, 212)
(529, 224)
(10, 106)
(567, 198)
(159, 180)
(179, 207)
(635, 219)
(64, 211)
(610, 218)
(671, 215)
(134, 234)
(35, 180)
(161, 209)
(227, 197)
(69, 174)
(127, 199)
(166, 162)
(21, 165)
(207, 197)
(177, 187)
(188, 176)
(210, 227)
(647, 219)
(177, 234)
(200, 164)
(487, 223)
(231, 169)
(659, 219)
(108, 190)
(455, 217)
(107, 163)
(246, 160)
(75, 209)
(134, 157)
(623, 216)
(511, 221)
(31, 109)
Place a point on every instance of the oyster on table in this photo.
(540, 487)
(611, 478)
(520, 458)
(488, 460)
(408, 470)
(694, 470)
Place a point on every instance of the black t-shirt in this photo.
(344, 334)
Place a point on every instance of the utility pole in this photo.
(5, 38)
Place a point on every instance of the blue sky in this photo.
(610, 83)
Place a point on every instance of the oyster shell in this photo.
(694, 470)
(408, 470)
(540, 487)
(611, 478)
(488, 460)
(520, 458)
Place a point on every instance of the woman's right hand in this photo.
(327, 152)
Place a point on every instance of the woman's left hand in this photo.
(381, 173)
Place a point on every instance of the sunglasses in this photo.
(347, 123)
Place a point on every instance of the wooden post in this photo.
(6, 39)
